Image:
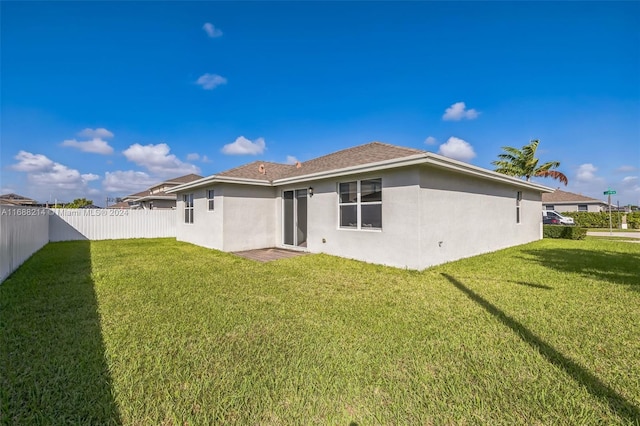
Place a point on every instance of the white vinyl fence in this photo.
(25, 230)
(110, 224)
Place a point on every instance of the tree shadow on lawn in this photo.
(617, 403)
(53, 368)
(613, 267)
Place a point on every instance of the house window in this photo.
(360, 204)
(188, 208)
(582, 208)
(518, 201)
(210, 194)
(550, 207)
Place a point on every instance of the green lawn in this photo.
(161, 332)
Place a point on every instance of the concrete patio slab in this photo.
(269, 254)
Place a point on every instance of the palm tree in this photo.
(523, 163)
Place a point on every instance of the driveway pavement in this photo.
(630, 234)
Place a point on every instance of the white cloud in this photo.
(28, 162)
(210, 81)
(626, 169)
(291, 159)
(430, 140)
(458, 111)
(586, 173)
(194, 156)
(243, 146)
(46, 175)
(88, 177)
(157, 160)
(100, 132)
(630, 179)
(127, 182)
(457, 149)
(96, 146)
(211, 30)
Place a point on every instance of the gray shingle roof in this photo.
(175, 181)
(559, 196)
(363, 154)
(183, 179)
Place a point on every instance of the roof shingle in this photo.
(363, 154)
(559, 196)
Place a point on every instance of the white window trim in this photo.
(518, 207)
(209, 209)
(359, 203)
(187, 208)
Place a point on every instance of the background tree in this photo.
(523, 163)
(78, 203)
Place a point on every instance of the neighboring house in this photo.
(155, 197)
(378, 203)
(17, 200)
(562, 201)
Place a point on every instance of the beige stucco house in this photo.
(155, 197)
(377, 203)
(563, 201)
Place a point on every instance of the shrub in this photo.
(594, 219)
(633, 220)
(566, 232)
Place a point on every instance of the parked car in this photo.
(550, 220)
(564, 220)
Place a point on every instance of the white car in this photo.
(564, 220)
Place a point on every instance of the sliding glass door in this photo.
(294, 222)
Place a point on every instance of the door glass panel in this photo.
(288, 217)
(301, 206)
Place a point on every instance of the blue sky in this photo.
(105, 99)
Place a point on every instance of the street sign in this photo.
(609, 192)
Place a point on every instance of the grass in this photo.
(161, 332)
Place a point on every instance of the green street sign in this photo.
(609, 192)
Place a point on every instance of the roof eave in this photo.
(469, 169)
(426, 158)
(216, 179)
(362, 168)
(155, 197)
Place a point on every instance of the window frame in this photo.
(211, 193)
(586, 207)
(518, 205)
(188, 217)
(358, 205)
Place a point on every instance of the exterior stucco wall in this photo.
(429, 216)
(395, 245)
(160, 204)
(463, 216)
(562, 208)
(249, 217)
(207, 227)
